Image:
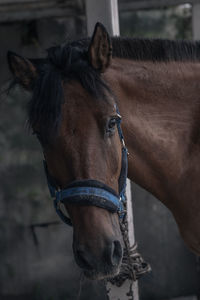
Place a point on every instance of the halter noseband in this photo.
(91, 192)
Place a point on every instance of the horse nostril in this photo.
(116, 253)
(83, 260)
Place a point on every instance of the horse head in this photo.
(74, 115)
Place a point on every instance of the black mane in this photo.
(70, 61)
(152, 49)
(155, 49)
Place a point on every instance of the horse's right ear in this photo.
(23, 70)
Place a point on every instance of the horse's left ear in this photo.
(100, 49)
(24, 71)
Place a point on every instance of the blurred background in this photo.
(36, 263)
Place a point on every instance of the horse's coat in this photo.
(162, 134)
(156, 86)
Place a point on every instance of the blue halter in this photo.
(92, 192)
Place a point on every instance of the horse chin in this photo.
(95, 275)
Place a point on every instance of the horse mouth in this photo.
(96, 275)
(106, 265)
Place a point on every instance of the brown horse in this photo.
(155, 84)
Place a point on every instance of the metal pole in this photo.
(106, 12)
(196, 21)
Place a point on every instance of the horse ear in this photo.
(100, 49)
(24, 71)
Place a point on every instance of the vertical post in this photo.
(106, 12)
(196, 21)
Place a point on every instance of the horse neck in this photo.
(160, 110)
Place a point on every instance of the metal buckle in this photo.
(119, 116)
(123, 143)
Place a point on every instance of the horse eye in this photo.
(111, 125)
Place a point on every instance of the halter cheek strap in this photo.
(91, 192)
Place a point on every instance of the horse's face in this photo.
(86, 146)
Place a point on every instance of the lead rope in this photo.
(133, 265)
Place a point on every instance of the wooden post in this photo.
(196, 21)
(106, 12)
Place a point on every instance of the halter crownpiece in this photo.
(92, 192)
